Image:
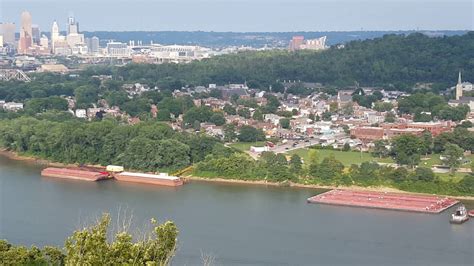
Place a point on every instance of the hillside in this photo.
(393, 59)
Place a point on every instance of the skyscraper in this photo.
(8, 32)
(74, 38)
(72, 26)
(54, 35)
(26, 39)
(35, 34)
(94, 46)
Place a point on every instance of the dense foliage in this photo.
(145, 146)
(392, 61)
(91, 246)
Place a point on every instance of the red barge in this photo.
(77, 174)
(385, 200)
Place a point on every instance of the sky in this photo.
(246, 15)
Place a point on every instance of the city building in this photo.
(54, 36)
(26, 39)
(44, 41)
(296, 43)
(74, 38)
(118, 49)
(35, 34)
(93, 45)
(299, 43)
(1, 40)
(7, 30)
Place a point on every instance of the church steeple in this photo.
(459, 87)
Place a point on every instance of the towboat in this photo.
(459, 216)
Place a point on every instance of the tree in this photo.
(326, 116)
(424, 174)
(285, 123)
(427, 143)
(200, 114)
(250, 134)
(346, 147)
(258, 115)
(452, 156)
(390, 117)
(234, 98)
(329, 168)
(407, 149)
(229, 109)
(229, 133)
(217, 118)
(380, 149)
(313, 162)
(295, 164)
(383, 106)
(85, 96)
(163, 115)
(244, 112)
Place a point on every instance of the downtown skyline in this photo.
(255, 16)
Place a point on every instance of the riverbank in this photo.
(39, 161)
(298, 185)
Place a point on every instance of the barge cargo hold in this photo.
(385, 200)
(74, 174)
(162, 179)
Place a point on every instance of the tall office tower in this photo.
(94, 48)
(54, 35)
(72, 26)
(26, 40)
(74, 38)
(8, 32)
(1, 41)
(35, 34)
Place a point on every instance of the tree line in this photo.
(393, 61)
(150, 146)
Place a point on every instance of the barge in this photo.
(77, 174)
(161, 179)
(385, 200)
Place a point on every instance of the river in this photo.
(235, 224)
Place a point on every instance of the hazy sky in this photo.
(247, 15)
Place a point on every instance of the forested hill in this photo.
(393, 59)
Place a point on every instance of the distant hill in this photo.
(254, 39)
(395, 61)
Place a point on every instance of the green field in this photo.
(433, 159)
(245, 146)
(346, 157)
(353, 157)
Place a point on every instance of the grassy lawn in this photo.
(346, 157)
(434, 159)
(447, 177)
(245, 146)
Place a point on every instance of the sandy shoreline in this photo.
(30, 159)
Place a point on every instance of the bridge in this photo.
(13, 74)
